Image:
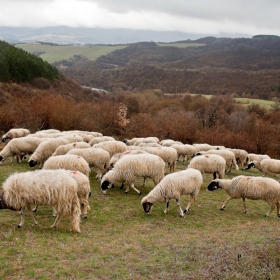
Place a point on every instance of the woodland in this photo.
(59, 101)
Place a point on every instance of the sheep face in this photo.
(4, 139)
(3, 204)
(32, 163)
(105, 186)
(125, 140)
(250, 165)
(147, 206)
(214, 185)
(1, 159)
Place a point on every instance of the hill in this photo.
(241, 67)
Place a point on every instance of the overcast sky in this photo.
(213, 17)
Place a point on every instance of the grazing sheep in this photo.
(148, 145)
(250, 187)
(172, 186)
(130, 142)
(129, 168)
(270, 167)
(169, 142)
(112, 147)
(257, 157)
(206, 147)
(240, 156)
(146, 140)
(42, 187)
(83, 191)
(69, 162)
(96, 140)
(47, 148)
(226, 154)
(168, 155)
(15, 133)
(95, 157)
(19, 147)
(64, 149)
(185, 150)
(211, 163)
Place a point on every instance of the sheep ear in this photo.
(105, 185)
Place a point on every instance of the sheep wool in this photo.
(172, 186)
(15, 133)
(250, 187)
(112, 147)
(42, 187)
(64, 149)
(129, 168)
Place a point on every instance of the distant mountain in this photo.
(68, 35)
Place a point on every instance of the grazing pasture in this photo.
(119, 241)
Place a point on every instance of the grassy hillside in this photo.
(118, 241)
(53, 53)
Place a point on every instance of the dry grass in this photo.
(118, 241)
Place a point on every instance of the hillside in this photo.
(242, 67)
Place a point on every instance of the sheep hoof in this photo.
(85, 217)
(140, 193)
(265, 215)
(126, 192)
(245, 212)
(278, 215)
(223, 208)
(186, 211)
(19, 226)
(182, 215)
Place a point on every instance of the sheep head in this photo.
(105, 186)
(214, 185)
(147, 206)
(249, 166)
(32, 163)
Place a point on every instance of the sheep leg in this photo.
(35, 209)
(54, 212)
(166, 208)
(193, 199)
(21, 217)
(224, 205)
(144, 182)
(132, 185)
(31, 214)
(57, 220)
(272, 206)
(278, 209)
(180, 208)
(84, 207)
(245, 210)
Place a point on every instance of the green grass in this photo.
(58, 53)
(249, 101)
(119, 241)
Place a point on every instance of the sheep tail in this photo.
(75, 215)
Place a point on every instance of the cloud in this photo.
(211, 17)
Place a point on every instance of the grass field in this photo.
(119, 241)
(249, 101)
(57, 53)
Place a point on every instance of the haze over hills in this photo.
(68, 35)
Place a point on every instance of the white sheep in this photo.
(269, 167)
(211, 163)
(112, 147)
(172, 186)
(83, 192)
(168, 154)
(15, 133)
(229, 156)
(95, 157)
(146, 140)
(203, 147)
(64, 149)
(250, 187)
(258, 157)
(129, 168)
(48, 147)
(185, 150)
(169, 142)
(240, 156)
(42, 187)
(96, 140)
(20, 147)
(130, 142)
(69, 162)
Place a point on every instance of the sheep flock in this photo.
(60, 164)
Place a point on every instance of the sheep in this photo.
(250, 187)
(185, 150)
(257, 157)
(47, 148)
(148, 145)
(226, 154)
(83, 192)
(96, 140)
(42, 187)
(172, 186)
(211, 163)
(128, 168)
(168, 155)
(203, 147)
(169, 142)
(19, 147)
(15, 133)
(270, 167)
(113, 147)
(240, 156)
(146, 140)
(64, 149)
(69, 162)
(130, 142)
(95, 157)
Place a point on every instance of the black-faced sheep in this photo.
(270, 167)
(172, 186)
(42, 187)
(128, 169)
(211, 163)
(250, 187)
(15, 133)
